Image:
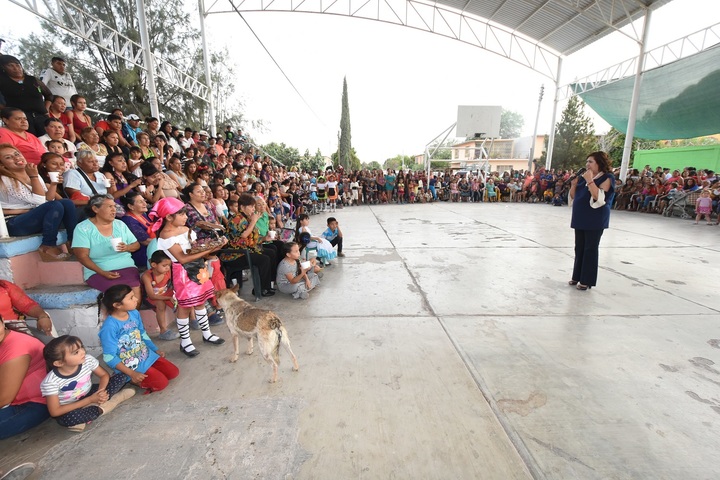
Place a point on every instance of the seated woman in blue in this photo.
(104, 245)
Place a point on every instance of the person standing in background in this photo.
(25, 92)
(58, 80)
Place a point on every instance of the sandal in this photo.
(582, 287)
(46, 256)
(189, 353)
(573, 282)
(214, 339)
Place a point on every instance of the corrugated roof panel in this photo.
(512, 14)
(556, 23)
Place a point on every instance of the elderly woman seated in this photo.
(104, 246)
(86, 180)
(30, 207)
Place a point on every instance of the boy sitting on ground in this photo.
(334, 235)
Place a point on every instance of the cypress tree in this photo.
(344, 144)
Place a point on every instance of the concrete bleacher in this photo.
(59, 288)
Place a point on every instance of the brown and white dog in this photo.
(244, 319)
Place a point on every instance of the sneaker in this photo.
(303, 295)
(116, 400)
(194, 325)
(215, 319)
(80, 427)
(169, 335)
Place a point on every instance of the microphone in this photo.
(577, 174)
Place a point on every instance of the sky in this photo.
(404, 86)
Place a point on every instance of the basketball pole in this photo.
(429, 155)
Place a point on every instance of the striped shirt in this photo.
(70, 388)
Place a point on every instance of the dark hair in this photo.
(158, 256)
(331, 219)
(111, 296)
(50, 120)
(246, 200)
(8, 111)
(55, 350)
(603, 161)
(129, 198)
(148, 169)
(188, 190)
(57, 59)
(112, 117)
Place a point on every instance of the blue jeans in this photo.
(19, 418)
(45, 219)
(433, 191)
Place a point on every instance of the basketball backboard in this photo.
(476, 120)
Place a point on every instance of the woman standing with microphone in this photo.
(592, 193)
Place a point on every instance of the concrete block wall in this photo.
(59, 288)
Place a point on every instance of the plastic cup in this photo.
(272, 234)
(305, 265)
(54, 176)
(142, 188)
(106, 181)
(115, 242)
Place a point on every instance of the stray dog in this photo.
(244, 319)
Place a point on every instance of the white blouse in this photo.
(19, 197)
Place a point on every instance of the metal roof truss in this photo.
(75, 20)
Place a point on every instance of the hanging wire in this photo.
(277, 64)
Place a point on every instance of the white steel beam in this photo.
(429, 17)
(76, 21)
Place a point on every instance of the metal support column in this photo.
(147, 56)
(537, 120)
(206, 63)
(630, 133)
(428, 155)
(551, 139)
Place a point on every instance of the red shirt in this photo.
(16, 345)
(13, 298)
(31, 148)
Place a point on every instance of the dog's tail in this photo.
(276, 324)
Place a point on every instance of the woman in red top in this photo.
(77, 116)
(22, 369)
(57, 110)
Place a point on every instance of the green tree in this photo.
(345, 143)
(574, 136)
(314, 163)
(289, 156)
(372, 165)
(108, 81)
(397, 162)
(511, 124)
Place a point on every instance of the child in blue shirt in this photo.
(334, 235)
(127, 348)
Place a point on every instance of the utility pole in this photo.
(537, 119)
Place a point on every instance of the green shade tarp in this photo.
(678, 100)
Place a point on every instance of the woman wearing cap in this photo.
(24, 92)
(189, 271)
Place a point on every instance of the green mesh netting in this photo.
(678, 100)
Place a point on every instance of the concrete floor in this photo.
(447, 345)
